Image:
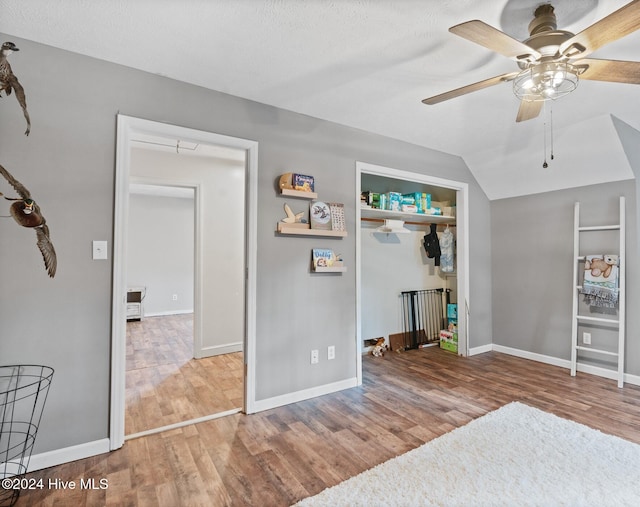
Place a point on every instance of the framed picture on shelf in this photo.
(337, 216)
(320, 215)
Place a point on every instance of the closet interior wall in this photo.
(393, 263)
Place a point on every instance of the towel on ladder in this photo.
(600, 284)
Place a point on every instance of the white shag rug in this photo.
(514, 456)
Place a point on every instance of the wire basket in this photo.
(23, 393)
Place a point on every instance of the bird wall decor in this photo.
(9, 82)
(293, 217)
(26, 212)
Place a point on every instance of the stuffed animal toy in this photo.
(601, 266)
(379, 348)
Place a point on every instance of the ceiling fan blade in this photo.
(470, 88)
(616, 71)
(529, 110)
(479, 32)
(610, 28)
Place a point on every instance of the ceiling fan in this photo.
(551, 61)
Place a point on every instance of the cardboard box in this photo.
(397, 341)
(449, 340)
(451, 347)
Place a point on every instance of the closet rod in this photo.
(367, 219)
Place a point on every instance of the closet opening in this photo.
(409, 291)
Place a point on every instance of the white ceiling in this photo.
(366, 64)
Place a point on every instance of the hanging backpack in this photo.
(432, 245)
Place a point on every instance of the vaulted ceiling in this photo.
(368, 64)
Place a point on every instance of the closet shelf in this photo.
(373, 214)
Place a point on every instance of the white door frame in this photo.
(127, 128)
(462, 234)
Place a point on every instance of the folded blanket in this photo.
(600, 284)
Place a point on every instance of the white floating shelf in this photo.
(301, 194)
(332, 269)
(299, 231)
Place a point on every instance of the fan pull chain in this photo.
(544, 137)
(551, 121)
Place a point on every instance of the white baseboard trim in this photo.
(480, 350)
(306, 394)
(168, 312)
(67, 454)
(606, 373)
(218, 350)
(565, 363)
(541, 358)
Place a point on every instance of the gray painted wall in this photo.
(68, 164)
(160, 252)
(532, 241)
(630, 139)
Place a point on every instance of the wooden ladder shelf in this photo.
(577, 318)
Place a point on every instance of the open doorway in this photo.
(220, 172)
(366, 291)
(169, 377)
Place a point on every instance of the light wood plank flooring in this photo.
(165, 385)
(280, 456)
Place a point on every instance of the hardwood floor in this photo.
(165, 385)
(277, 457)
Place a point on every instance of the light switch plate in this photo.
(99, 250)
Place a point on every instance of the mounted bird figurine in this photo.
(27, 213)
(9, 82)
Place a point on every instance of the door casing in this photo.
(127, 128)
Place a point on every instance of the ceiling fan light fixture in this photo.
(545, 81)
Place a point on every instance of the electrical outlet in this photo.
(331, 352)
(175, 297)
(315, 356)
(586, 338)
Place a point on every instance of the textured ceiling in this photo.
(366, 64)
